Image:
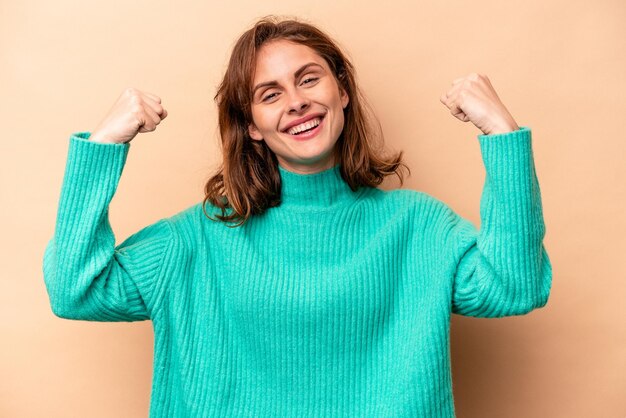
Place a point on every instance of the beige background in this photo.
(559, 67)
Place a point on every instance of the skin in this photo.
(134, 112)
(292, 96)
(472, 98)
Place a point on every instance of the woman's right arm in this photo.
(86, 276)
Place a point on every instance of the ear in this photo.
(345, 99)
(254, 132)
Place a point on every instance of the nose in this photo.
(297, 102)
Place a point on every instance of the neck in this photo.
(321, 190)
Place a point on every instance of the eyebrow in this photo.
(296, 74)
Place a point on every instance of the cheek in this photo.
(341, 120)
(262, 119)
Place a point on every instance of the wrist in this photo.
(503, 129)
(97, 137)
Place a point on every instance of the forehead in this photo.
(278, 60)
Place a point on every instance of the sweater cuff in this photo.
(508, 156)
(94, 160)
(92, 172)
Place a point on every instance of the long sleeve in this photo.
(503, 269)
(86, 276)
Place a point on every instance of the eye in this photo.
(269, 97)
(310, 80)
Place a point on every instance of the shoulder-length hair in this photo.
(248, 181)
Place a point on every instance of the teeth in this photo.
(304, 126)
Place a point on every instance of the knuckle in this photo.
(135, 101)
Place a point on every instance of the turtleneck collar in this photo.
(325, 189)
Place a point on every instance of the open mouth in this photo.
(307, 128)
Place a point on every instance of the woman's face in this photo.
(297, 106)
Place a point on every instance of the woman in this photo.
(306, 291)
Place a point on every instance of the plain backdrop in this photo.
(558, 66)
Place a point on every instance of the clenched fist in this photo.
(473, 99)
(134, 112)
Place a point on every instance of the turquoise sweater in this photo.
(335, 303)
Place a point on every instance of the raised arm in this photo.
(503, 269)
(86, 276)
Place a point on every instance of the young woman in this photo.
(298, 288)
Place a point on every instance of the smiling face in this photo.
(297, 106)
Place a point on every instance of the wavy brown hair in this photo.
(248, 181)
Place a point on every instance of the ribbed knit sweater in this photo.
(333, 304)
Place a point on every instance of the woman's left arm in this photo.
(503, 269)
